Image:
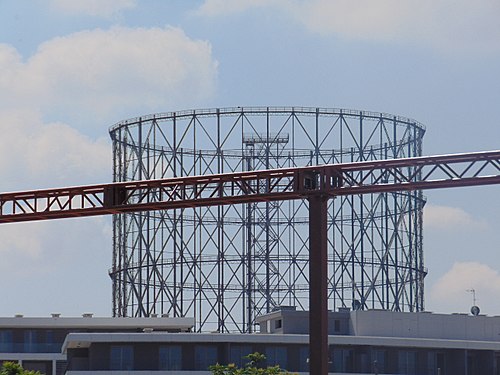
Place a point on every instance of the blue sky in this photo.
(70, 69)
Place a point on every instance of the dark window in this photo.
(205, 356)
(363, 362)
(336, 325)
(441, 362)
(50, 345)
(278, 324)
(5, 341)
(276, 355)
(49, 337)
(45, 367)
(61, 367)
(431, 363)
(342, 360)
(30, 341)
(237, 354)
(304, 359)
(121, 357)
(170, 357)
(407, 362)
(379, 359)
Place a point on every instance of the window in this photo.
(407, 362)
(431, 363)
(276, 355)
(50, 345)
(342, 360)
(121, 357)
(379, 359)
(237, 354)
(44, 367)
(278, 323)
(170, 357)
(49, 337)
(336, 325)
(30, 341)
(5, 341)
(363, 361)
(61, 367)
(204, 356)
(441, 362)
(304, 359)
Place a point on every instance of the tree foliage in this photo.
(11, 368)
(252, 367)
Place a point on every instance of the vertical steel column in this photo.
(250, 249)
(318, 283)
(268, 227)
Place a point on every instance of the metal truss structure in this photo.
(227, 265)
(443, 171)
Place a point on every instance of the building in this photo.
(390, 342)
(36, 343)
(361, 342)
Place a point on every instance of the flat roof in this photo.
(160, 323)
(85, 340)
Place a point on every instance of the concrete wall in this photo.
(297, 322)
(425, 325)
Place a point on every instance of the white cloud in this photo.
(88, 81)
(451, 26)
(99, 8)
(35, 154)
(450, 292)
(450, 218)
(223, 7)
(40, 246)
(108, 73)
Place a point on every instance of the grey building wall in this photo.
(290, 321)
(425, 325)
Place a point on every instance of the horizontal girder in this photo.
(469, 169)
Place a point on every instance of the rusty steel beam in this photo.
(480, 168)
(318, 283)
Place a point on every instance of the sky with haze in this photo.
(70, 69)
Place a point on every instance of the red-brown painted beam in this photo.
(318, 284)
(458, 170)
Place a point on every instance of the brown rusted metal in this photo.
(318, 284)
(482, 168)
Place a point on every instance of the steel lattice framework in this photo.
(227, 265)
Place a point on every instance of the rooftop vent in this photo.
(55, 315)
(87, 315)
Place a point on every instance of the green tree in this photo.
(11, 368)
(251, 368)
